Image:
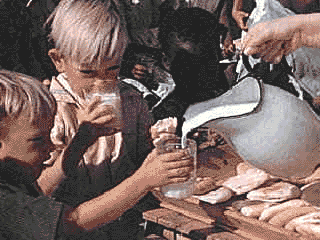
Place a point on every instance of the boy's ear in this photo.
(57, 59)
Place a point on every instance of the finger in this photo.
(262, 50)
(106, 131)
(277, 59)
(103, 120)
(273, 54)
(140, 72)
(243, 26)
(101, 110)
(178, 180)
(258, 36)
(180, 172)
(181, 164)
(288, 48)
(175, 156)
(93, 103)
(140, 67)
(163, 138)
(316, 101)
(137, 76)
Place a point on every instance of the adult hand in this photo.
(139, 71)
(272, 40)
(162, 169)
(228, 45)
(239, 17)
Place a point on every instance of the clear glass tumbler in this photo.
(184, 189)
(108, 98)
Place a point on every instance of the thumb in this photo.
(243, 26)
(244, 14)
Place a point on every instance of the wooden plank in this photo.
(252, 228)
(173, 220)
(168, 234)
(190, 210)
(179, 236)
(194, 226)
(224, 236)
(192, 200)
(154, 214)
(154, 237)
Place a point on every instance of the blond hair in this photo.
(19, 92)
(87, 31)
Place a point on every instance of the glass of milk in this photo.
(184, 189)
(108, 96)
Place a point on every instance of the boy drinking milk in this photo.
(27, 116)
(89, 43)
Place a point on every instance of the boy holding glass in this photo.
(89, 54)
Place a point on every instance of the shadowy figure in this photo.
(189, 38)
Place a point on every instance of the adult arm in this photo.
(275, 39)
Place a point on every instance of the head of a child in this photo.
(190, 39)
(27, 112)
(89, 42)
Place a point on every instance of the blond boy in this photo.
(89, 43)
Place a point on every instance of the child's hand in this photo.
(316, 102)
(240, 17)
(163, 130)
(98, 115)
(162, 169)
(139, 71)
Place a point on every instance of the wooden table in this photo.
(176, 226)
(191, 219)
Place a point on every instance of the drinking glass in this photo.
(108, 98)
(184, 189)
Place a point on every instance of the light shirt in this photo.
(66, 126)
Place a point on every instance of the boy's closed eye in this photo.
(40, 140)
(88, 72)
(115, 67)
(92, 72)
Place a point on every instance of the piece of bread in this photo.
(220, 195)
(255, 211)
(310, 193)
(309, 229)
(246, 182)
(237, 205)
(203, 185)
(284, 217)
(277, 192)
(311, 218)
(167, 125)
(269, 213)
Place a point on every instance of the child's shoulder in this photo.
(23, 209)
(128, 90)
